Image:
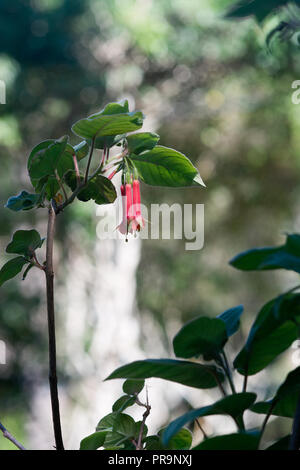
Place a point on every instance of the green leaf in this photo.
(141, 141)
(274, 330)
(12, 268)
(153, 443)
(233, 405)
(240, 441)
(93, 442)
(24, 201)
(286, 256)
(163, 166)
(138, 425)
(29, 267)
(25, 242)
(123, 402)
(81, 150)
(284, 403)
(114, 119)
(259, 9)
(282, 444)
(133, 387)
(45, 160)
(183, 372)
(203, 335)
(124, 425)
(46, 157)
(231, 318)
(119, 427)
(182, 440)
(99, 188)
(106, 423)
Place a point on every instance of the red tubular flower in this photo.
(137, 221)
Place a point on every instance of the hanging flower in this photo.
(137, 222)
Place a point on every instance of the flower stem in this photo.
(51, 330)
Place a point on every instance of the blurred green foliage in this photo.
(210, 88)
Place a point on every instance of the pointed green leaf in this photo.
(163, 166)
(141, 141)
(93, 442)
(24, 201)
(273, 331)
(286, 256)
(123, 402)
(240, 441)
(12, 268)
(133, 387)
(114, 119)
(99, 188)
(25, 242)
(203, 335)
(183, 372)
(231, 318)
(233, 405)
(284, 403)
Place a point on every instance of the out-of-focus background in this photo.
(212, 90)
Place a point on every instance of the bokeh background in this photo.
(212, 90)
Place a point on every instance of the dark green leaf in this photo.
(22, 202)
(25, 242)
(122, 403)
(124, 425)
(99, 188)
(153, 443)
(133, 387)
(93, 442)
(181, 440)
(200, 336)
(81, 150)
(47, 157)
(233, 405)
(231, 318)
(258, 8)
(29, 267)
(163, 166)
(12, 268)
(114, 119)
(141, 141)
(286, 256)
(138, 425)
(106, 423)
(273, 331)
(282, 444)
(284, 403)
(183, 372)
(240, 441)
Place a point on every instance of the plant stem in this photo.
(272, 406)
(228, 372)
(295, 439)
(89, 161)
(10, 437)
(51, 329)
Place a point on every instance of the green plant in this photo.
(61, 172)
(204, 341)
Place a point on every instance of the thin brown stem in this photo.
(51, 329)
(201, 428)
(139, 445)
(10, 437)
